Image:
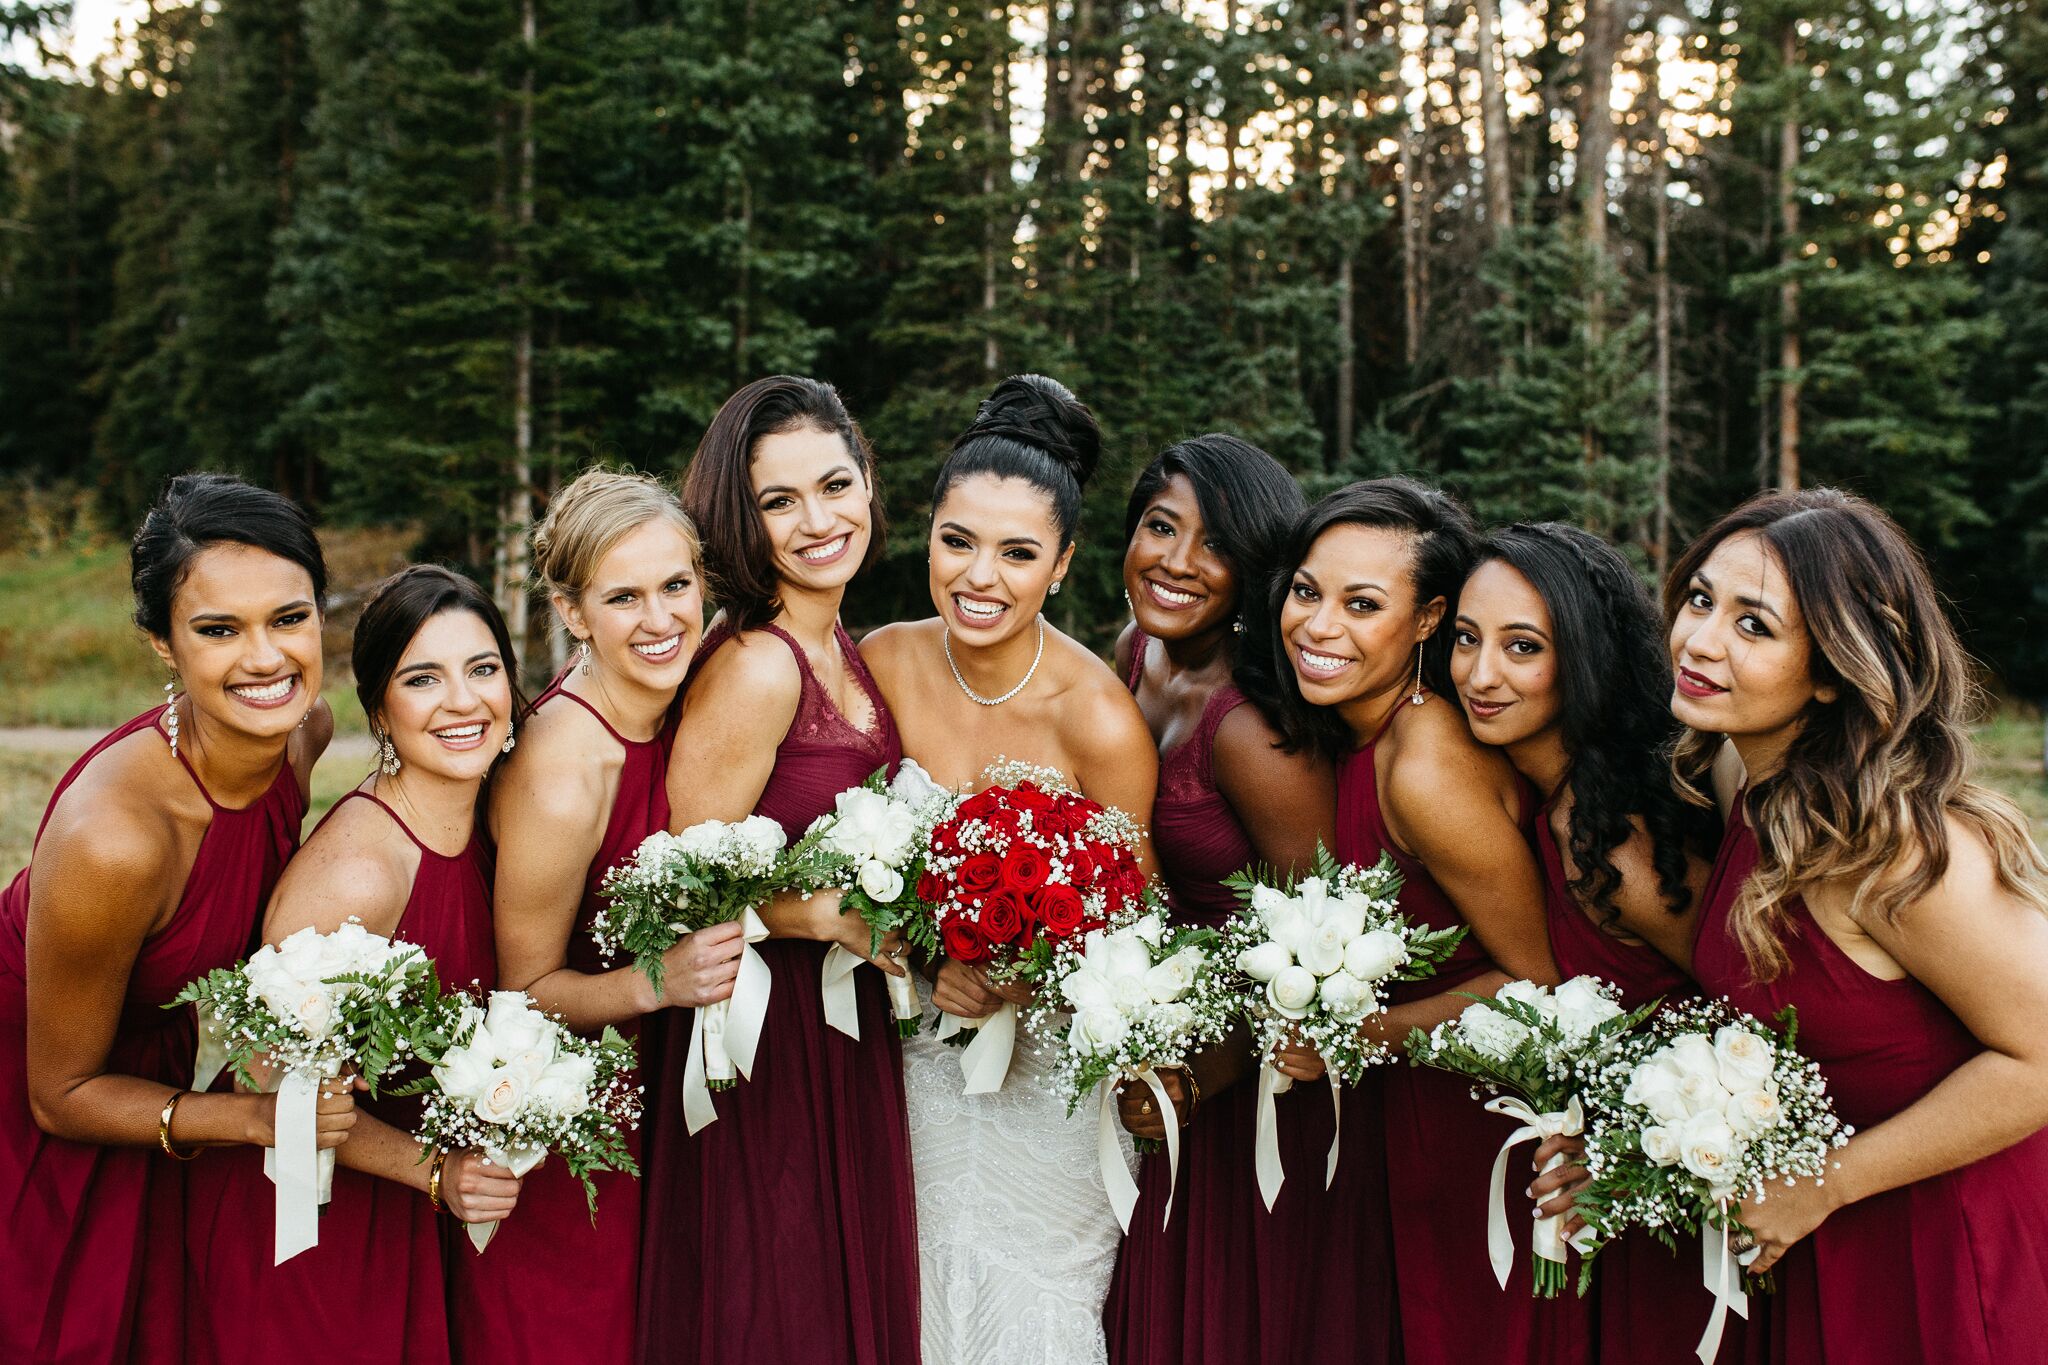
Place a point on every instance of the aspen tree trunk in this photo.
(517, 510)
(1660, 280)
(1347, 343)
(1498, 158)
(1788, 256)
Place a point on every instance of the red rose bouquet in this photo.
(1020, 867)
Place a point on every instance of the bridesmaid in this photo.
(150, 868)
(401, 853)
(1223, 1281)
(784, 1230)
(586, 785)
(1369, 575)
(1557, 655)
(1901, 907)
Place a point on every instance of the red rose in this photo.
(963, 942)
(980, 874)
(931, 887)
(1024, 868)
(1005, 822)
(1081, 867)
(1052, 822)
(1028, 797)
(1060, 909)
(978, 806)
(946, 839)
(1002, 918)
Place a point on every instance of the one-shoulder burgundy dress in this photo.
(90, 1265)
(506, 1304)
(1649, 1304)
(786, 1230)
(373, 1289)
(1953, 1268)
(1226, 1282)
(1440, 1146)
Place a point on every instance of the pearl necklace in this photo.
(975, 696)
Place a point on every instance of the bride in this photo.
(1016, 1236)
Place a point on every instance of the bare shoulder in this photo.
(1126, 646)
(121, 816)
(561, 770)
(1968, 886)
(753, 664)
(358, 865)
(122, 850)
(890, 650)
(1244, 735)
(1098, 715)
(1431, 756)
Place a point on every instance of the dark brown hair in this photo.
(195, 511)
(718, 489)
(398, 608)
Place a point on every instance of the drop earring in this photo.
(583, 657)
(1055, 589)
(171, 713)
(387, 755)
(1237, 627)
(1418, 696)
(506, 747)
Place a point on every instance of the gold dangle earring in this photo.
(1417, 697)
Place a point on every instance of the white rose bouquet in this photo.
(518, 1085)
(1539, 1046)
(708, 874)
(311, 1007)
(872, 846)
(1119, 1005)
(1309, 961)
(1703, 1106)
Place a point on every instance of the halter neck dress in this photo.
(786, 1230)
(1648, 1301)
(1953, 1268)
(373, 1289)
(89, 1260)
(1440, 1145)
(1226, 1282)
(507, 1304)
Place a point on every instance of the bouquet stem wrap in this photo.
(986, 1058)
(518, 1160)
(1547, 1242)
(211, 1055)
(724, 1036)
(1109, 1152)
(842, 1004)
(1723, 1281)
(1266, 1163)
(303, 1174)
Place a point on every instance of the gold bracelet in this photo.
(434, 1179)
(1187, 1073)
(163, 1128)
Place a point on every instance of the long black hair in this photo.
(1614, 690)
(197, 510)
(1446, 543)
(1030, 428)
(1249, 503)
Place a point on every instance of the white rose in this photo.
(1375, 955)
(565, 1086)
(1693, 1055)
(516, 1027)
(1529, 993)
(462, 1072)
(1707, 1147)
(1660, 1144)
(503, 1095)
(1291, 991)
(313, 1012)
(882, 883)
(1654, 1086)
(700, 841)
(1087, 988)
(1266, 899)
(1126, 957)
(1491, 1033)
(1746, 1060)
(1170, 979)
(1701, 1094)
(1313, 898)
(1173, 1018)
(1096, 1031)
(1148, 928)
(1583, 1006)
(1322, 949)
(1287, 925)
(761, 837)
(914, 786)
(1348, 913)
(1264, 961)
(1130, 993)
(1752, 1112)
(299, 956)
(1344, 995)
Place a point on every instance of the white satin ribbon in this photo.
(1109, 1150)
(518, 1160)
(211, 1054)
(725, 1036)
(835, 982)
(303, 1174)
(1547, 1240)
(1719, 1269)
(1336, 1131)
(1266, 1163)
(985, 1061)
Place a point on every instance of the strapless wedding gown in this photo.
(1016, 1241)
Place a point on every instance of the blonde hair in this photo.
(1866, 789)
(595, 512)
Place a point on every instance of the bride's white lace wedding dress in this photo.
(1015, 1236)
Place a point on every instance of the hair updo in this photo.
(594, 513)
(195, 511)
(1030, 428)
(398, 607)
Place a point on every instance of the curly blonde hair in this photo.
(1866, 789)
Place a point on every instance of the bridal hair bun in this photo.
(1031, 429)
(1033, 410)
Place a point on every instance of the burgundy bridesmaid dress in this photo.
(89, 1258)
(1649, 1305)
(786, 1230)
(1953, 1268)
(506, 1305)
(373, 1289)
(1226, 1282)
(1440, 1146)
